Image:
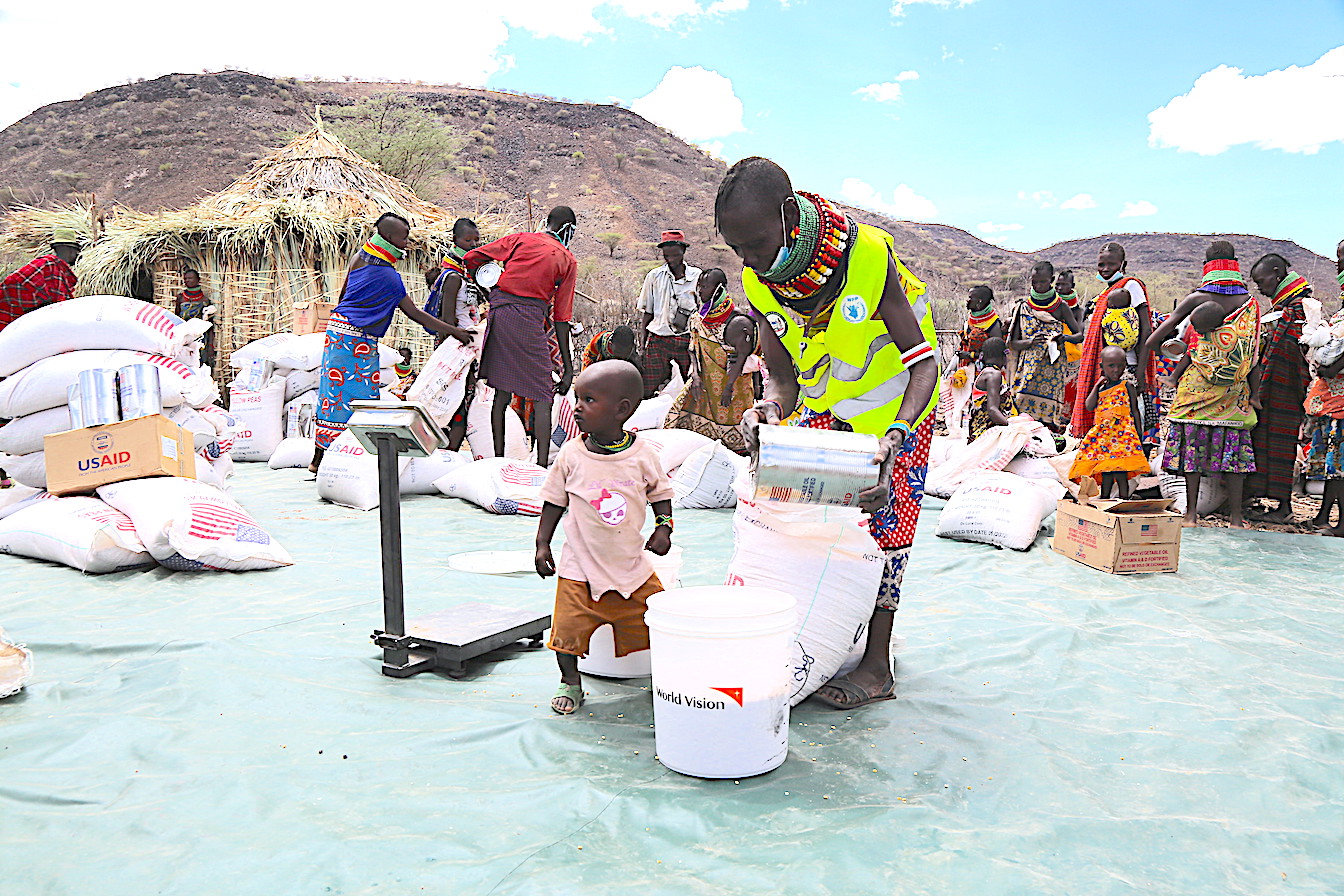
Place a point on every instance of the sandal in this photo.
(855, 696)
(571, 692)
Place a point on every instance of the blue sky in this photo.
(1025, 122)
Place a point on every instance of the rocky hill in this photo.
(166, 142)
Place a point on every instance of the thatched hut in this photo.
(285, 232)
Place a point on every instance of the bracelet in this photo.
(902, 426)
(663, 519)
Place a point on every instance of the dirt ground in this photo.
(1305, 508)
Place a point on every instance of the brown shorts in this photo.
(577, 616)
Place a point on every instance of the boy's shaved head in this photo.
(753, 178)
(1208, 317)
(994, 348)
(1111, 353)
(619, 379)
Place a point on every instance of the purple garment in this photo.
(372, 293)
(1198, 448)
(516, 356)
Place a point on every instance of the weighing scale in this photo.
(444, 640)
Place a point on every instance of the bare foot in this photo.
(1337, 531)
(1188, 523)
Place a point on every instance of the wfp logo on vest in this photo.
(853, 308)
(103, 456)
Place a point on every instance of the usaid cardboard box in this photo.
(1120, 537)
(311, 317)
(80, 460)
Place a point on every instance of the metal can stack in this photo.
(798, 465)
(141, 392)
(74, 406)
(98, 397)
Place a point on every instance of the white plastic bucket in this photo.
(721, 679)
(602, 659)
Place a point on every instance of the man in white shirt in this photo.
(668, 301)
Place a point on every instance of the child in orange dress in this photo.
(1111, 447)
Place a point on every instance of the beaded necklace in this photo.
(717, 310)
(193, 294)
(1223, 276)
(624, 442)
(819, 244)
(1043, 301)
(1340, 278)
(381, 250)
(1069, 298)
(983, 320)
(1291, 285)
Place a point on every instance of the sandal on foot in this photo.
(571, 692)
(855, 696)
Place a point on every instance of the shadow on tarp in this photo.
(1058, 731)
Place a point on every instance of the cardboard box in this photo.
(80, 460)
(311, 317)
(1120, 537)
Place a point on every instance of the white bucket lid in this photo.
(720, 610)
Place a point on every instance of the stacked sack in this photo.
(273, 397)
(43, 352)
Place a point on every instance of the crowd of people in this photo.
(1222, 385)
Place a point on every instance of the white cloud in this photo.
(1043, 198)
(192, 38)
(1287, 109)
(1141, 209)
(695, 103)
(898, 6)
(991, 227)
(1079, 202)
(887, 91)
(905, 204)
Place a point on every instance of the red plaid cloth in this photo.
(43, 280)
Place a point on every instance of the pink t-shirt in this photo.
(606, 495)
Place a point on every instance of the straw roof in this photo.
(314, 191)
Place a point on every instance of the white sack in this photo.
(1001, 509)
(442, 382)
(941, 447)
(298, 382)
(480, 435)
(44, 384)
(301, 416)
(24, 435)
(421, 473)
(1029, 467)
(292, 453)
(16, 666)
(224, 423)
(499, 485)
(824, 557)
(27, 469)
(989, 453)
(191, 525)
(305, 353)
(1212, 492)
(260, 350)
(650, 413)
(17, 497)
(83, 533)
(202, 430)
(705, 479)
(93, 322)
(260, 421)
(675, 445)
(349, 475)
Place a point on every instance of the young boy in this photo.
(604, 480)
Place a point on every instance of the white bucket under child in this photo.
(720, 679)
(602, 659)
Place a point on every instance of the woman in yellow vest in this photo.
(850, 337)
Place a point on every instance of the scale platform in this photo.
(447, 639)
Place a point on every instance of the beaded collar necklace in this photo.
(983, 320)
(624, 442)
(191, 294)
(1340, 278)
(1069, 298)
(717, 310)
(1223, 276)
(1043, 301)
(819, 244)
(381, 250)
(1290, 286)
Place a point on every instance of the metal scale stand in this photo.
(444, 640)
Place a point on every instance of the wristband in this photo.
(778, 407)
(663, 520)
(903, 427)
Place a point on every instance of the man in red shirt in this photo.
(45, 279)
(538, 276)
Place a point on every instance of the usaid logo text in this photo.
(105, 460)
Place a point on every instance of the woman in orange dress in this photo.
(1111, 448)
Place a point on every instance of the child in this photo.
(604, 480)
(1120, 322)
(1111, 447)
(1203, 320)
(991, 402)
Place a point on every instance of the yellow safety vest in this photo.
(852, 367)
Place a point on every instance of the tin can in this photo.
(98, 397)
(73, 405)
(797, 465)
(141, 393)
